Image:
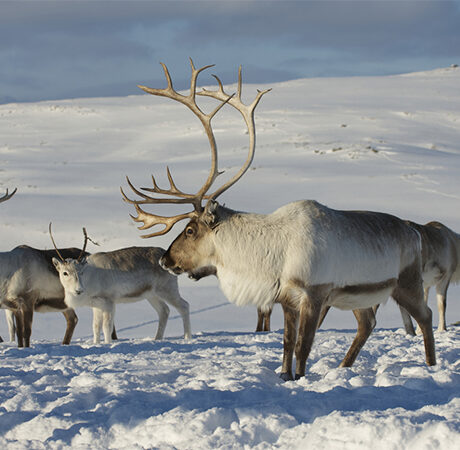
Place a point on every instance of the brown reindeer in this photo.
(304, 255)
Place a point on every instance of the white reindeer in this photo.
(104, 279)
(304, 255)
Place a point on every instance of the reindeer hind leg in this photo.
(366, 323)
(72, 320)
(409, 294)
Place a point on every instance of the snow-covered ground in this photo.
(381, 143)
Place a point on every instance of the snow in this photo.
(381, 143)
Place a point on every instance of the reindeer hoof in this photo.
(298, 377)
(286, 376)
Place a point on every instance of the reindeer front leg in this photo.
(290, 333)
(97, 322)
(310, 311)
(107, 324)
(27, 317)
(72, 321)
(11, 325)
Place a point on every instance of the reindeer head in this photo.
(193, 250)
(70, 269)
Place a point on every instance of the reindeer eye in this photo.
(65, 273)
(189, 231)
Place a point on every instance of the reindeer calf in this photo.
(128, 275)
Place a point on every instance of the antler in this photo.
(247, 111)
(54, 243)
(7, 196)
(180, 197)
(87, 238)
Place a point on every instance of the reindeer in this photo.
(28, 283)
(104, 279)
(440, 266)
(9, 318)
(304, 255)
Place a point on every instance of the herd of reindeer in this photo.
(304, 255)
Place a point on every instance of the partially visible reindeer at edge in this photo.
(103, 280)
(304, 255)
(28, 283)
(440, 267)
(9, 319)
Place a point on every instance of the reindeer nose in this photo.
(78, 292)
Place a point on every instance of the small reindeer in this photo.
(304, 255)
(102, 280)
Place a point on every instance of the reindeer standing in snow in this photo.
(103, 280)
(440, 266)
(28, 283)
(9, 318)
(304, 255)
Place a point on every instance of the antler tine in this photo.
(54, 243)
(7, 196)
(149, 220)
(247, 111)
(173, 188)
(185, 198)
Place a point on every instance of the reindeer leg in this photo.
(11, 325)
(172, 296)
(107, 325)
(323, 315)
(409, 294)
(28, 314)
(441, 296)
(408, 325)
(366, 323)
(260, 320)
(114, 333)
(97, 322)
(310, 311)
(19, 327)
(163, 313)
(290, 333)
(267, 316)
(72, 321)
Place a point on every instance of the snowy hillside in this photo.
(381, 143)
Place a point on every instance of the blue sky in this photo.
(66, 49)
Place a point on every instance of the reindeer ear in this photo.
(56, 263)
(210, 216)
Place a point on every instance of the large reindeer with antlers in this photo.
(104, 279)
(304, 255)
